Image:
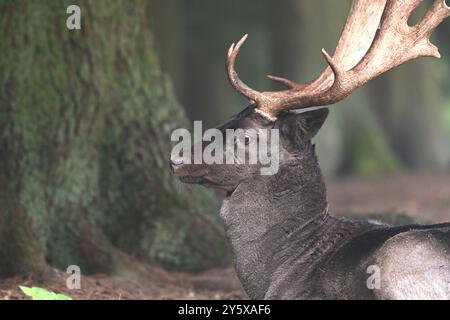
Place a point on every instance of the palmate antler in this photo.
(376, 38)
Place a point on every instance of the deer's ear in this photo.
(303, 125)
(310, 122)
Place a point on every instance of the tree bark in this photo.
(85, 122)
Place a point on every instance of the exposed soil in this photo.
(423, 196)
(220, 284)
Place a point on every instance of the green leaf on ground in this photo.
(41, 294)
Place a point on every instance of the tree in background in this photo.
(206, 30)
(442, 73)
(85, 124)
(409, 103)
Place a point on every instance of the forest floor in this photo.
(423, 196)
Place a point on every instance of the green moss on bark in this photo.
(86, 117)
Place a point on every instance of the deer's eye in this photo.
(245, 139)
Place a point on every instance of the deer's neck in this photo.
(279, 229)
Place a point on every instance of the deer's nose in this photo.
(175, 163)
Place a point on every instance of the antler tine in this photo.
(434, 17)
(235, 81)
(334, 67)
(404, 9)
(285, 82)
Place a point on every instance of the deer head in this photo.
(376, 38)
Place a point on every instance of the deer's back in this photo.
(411, 262)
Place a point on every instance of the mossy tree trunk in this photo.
(85, 123)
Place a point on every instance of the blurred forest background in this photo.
(86, 116)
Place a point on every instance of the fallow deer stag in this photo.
(285, 242)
